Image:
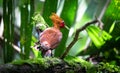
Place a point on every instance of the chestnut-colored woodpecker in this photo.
(51, 37)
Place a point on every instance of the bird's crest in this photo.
(57, 21)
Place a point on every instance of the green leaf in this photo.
(114, 29)
(69, 11)
(68, 15)
(36, 52)
(112, 13)
(98, 37)
(50, 6)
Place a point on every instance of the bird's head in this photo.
(57, 21)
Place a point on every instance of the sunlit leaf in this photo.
(112, 27)
(37, 53)
(99, 37)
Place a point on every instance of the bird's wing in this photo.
(52, 37)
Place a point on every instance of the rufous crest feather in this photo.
(56, 20)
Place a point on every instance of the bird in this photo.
(50, 38)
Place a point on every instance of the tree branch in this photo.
(76, 37)
(13, 45)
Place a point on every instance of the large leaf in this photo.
(50, 6)
(99, 37)
(68, 15)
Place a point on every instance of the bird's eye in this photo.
(62, 24)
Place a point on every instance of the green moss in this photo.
(70, 71)
(73, 60)
(106, 67)
(70, 65)
(39, 61)
(53, 61)
(39, 21)
(45, 62)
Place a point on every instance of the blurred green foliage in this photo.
(8, 18)
(107, 68)
(26, 27)
(109, 51)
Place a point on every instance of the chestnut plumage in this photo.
(51, 37)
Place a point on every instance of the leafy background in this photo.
(93, 43)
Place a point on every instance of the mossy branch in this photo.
(42, 65)
(55, 65)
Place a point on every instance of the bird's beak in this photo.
(67, 27)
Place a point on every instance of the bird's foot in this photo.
(47, 53)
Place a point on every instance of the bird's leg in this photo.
(46, 53)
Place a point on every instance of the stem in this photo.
(76, 37)
(17, 49)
